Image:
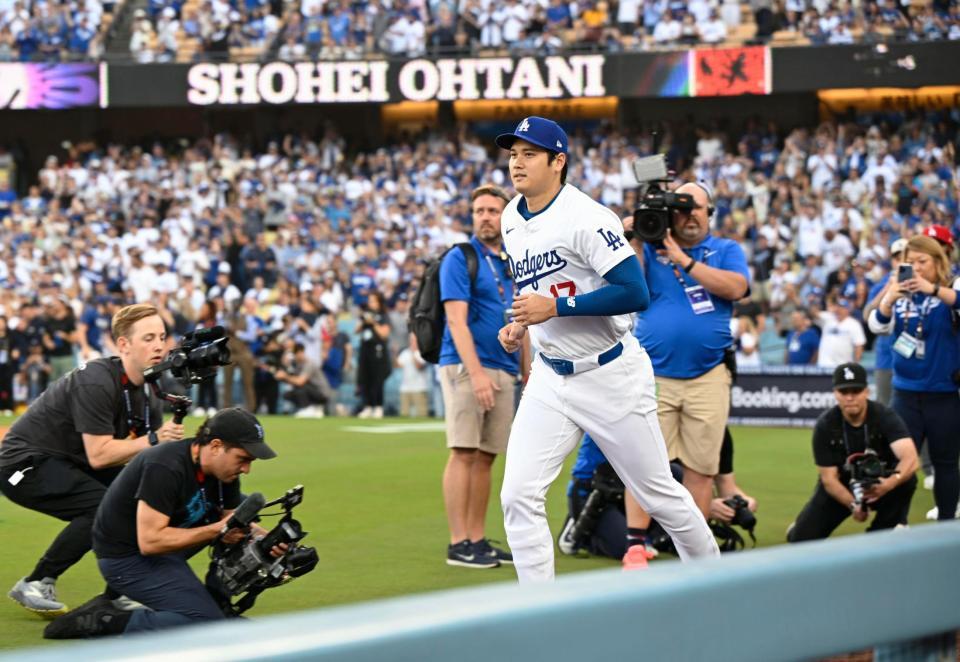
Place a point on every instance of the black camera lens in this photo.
(650, 225)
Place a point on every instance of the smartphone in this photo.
(905, 272)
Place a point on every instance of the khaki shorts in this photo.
(693, 414)
(467, 425)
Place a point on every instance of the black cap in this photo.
(849, 375)
(240, 427)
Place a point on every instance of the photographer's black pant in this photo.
(207, 393)
(609, 537)
(61, 489)
(935, 418)
(305, 396)
(823, 514)
(165, 584)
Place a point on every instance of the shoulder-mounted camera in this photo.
(653, 216)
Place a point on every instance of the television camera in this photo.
(196, 358)
(247, 568)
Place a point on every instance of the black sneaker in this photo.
(95, 618)
(484, 549)
(464, 555)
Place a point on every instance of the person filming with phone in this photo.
(918, 309)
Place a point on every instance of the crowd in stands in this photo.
(285, 246)
(34, 30)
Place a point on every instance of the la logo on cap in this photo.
(559, 145)
(524, 125)
(847, 373)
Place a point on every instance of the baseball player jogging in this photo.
(578, 281)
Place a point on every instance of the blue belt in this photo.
(568, 367)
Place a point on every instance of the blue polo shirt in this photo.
(802, 346)
(682, 344)
(486, 306)
(883, 345)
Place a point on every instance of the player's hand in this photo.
(672, 251)
(511, 336)
(484, 389)
(860, 514)
(170, 431)
(533, 309)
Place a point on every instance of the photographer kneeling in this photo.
(854, 445)
(168, 503)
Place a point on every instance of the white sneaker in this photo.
(198, 412)
(933, 513)
(377, 412)
(305, 412)
(366, 412)
(928, 482)
(211, 411)
(565, 540)
(318, 412)
(40, 597)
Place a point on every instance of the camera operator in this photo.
(166, 505)
(694, 279)
(61, 455)
(309, 389)
(857, 425)
(609, 535)
(918, 308)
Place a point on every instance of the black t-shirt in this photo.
(166, 479)
(67, 325)
(89, 399)
(834, 439)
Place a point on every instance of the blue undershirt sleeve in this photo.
(626, 293)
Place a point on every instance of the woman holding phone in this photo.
(917, 307)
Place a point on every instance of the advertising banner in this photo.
(53, 86)
(781, 396)
(700, 72)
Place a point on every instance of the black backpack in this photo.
(427, 318)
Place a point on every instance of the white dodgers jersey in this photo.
(564, 251)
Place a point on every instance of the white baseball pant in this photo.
(616, 404)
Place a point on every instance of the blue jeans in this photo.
(935, 417)
(166, 585)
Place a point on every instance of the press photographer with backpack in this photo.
(473, 283)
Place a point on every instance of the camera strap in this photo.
(846, 441)
(201, 482)
(131, 419)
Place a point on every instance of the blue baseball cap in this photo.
(537, 131)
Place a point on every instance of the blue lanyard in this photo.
(501, 290)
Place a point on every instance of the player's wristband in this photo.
(153, 438)
(689, 267)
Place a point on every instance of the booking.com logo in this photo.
(773, 398)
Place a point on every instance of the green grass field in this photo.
(374, 510)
